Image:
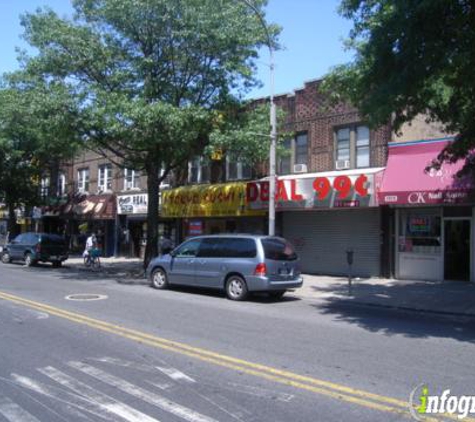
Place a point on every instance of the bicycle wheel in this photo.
(96, 263)
(87, 261)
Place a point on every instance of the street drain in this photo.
(86, 296)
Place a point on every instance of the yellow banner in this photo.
(223, 200)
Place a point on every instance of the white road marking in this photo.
(170, 372)
(104, 401)
(125, 363)
(175, 374)
(42, 315)
(259, 392)
(145, 395)
(162, 386)
(14, 413)
(62, 396)
(225, 405)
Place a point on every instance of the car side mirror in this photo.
(172, 254)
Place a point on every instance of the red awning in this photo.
(98, 207)
(405, 180)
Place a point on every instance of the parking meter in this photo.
(349, 260)
(349, 256)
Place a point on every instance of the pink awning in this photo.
(405, 180)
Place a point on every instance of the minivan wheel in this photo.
(236, 288)
(29, 260)
(6, 258)
(159, 279)
(57, 264)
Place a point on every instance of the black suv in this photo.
(36, 247)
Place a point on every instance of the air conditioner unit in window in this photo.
(342, 164)
(300, 168)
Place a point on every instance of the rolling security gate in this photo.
(323, 237)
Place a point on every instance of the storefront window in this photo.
(420, 232)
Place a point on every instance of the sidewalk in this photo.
(449, 298)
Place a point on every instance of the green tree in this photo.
(18, 170)
(52, 115)
(150, 75)
(37, 133)
(412, 57)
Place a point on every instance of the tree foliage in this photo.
(37, 132)
(412, 57)
(150, 75)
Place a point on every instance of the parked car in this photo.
(239, 264)
(36, 247)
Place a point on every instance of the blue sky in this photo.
(312, 38)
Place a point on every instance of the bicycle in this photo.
(92, 260)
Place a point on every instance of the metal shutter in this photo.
(322, 238)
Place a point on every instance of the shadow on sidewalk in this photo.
(411, 309)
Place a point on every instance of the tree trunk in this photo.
(153, 186)
(53, 181)
(12, 225)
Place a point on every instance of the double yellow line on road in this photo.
(313, 385)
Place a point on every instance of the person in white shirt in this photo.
(91, 243)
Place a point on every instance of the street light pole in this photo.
(273, 124)
(273, 146)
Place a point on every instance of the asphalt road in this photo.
(138, 354)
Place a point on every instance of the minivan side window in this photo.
(19, 239)
(30, 239)
(188, 249)
(278, 249)
(227, 247)
(238, 247)
(210, 248)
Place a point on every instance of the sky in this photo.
(312, 37)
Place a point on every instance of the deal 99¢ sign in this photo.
(319, 192)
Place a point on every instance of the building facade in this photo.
(432, 209)
(326, 201)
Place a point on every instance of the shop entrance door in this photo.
(457, 249)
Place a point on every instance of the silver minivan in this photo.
(239, 264)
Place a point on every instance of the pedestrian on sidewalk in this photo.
(166, 245)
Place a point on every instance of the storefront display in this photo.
(434, 214)
(85, 214)
(325, 214)
(212, 209)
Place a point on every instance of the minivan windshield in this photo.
(278, 249)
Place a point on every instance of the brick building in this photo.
(327, 187)
(326, 201)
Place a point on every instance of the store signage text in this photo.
(338, 191)
(207, 201)
(210, 197)
(195, 228)
(132, 204)
(427, 197)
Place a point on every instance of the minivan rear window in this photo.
(278, 249)
(52, 239)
